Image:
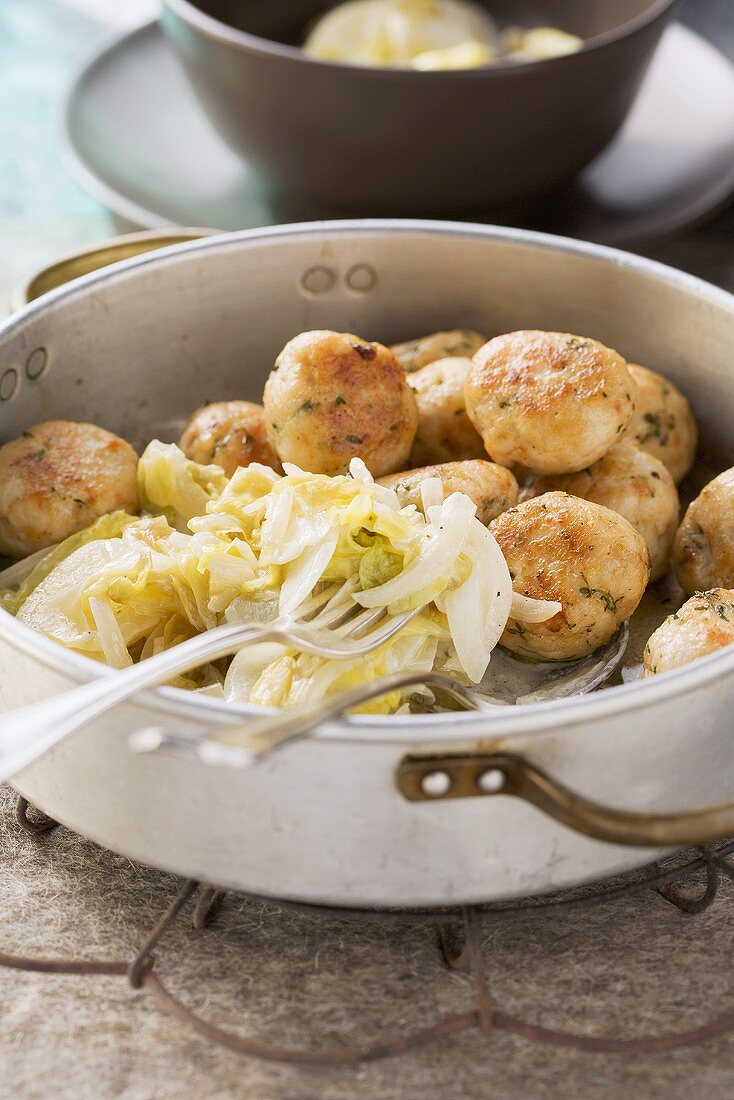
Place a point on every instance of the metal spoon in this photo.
(512, 680)
(509, 681)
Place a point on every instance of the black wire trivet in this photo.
(458, 931)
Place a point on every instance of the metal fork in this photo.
(329, 624)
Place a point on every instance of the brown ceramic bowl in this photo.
(389, 141)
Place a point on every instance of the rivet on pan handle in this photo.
(485, 775)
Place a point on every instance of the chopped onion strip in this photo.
(431, 493)
(527, 610)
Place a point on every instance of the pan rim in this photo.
(403, 729)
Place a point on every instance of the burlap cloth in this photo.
(625, 968)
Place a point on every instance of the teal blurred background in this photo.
(43, 212)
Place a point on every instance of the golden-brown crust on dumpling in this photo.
(333, 397)
(550, 401)
(559, 547)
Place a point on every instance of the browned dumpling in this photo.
(491, 487)
(58, 478)
(703, 625)
(414, 354)
(333, 397)
(445, 432)
(560, 547)
(550, 401)
(703, 550)
(229, 434)
(633, 483)
(663, 424)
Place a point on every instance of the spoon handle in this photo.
(248, 743)
(27, 733)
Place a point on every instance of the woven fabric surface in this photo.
(625, 968)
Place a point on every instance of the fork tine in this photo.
(373, 628)
(339, 643)
(387, 628)
(359, 626)
(338, 609)
(315, 605)
(336, 595)
(344, 594)
(337, 618)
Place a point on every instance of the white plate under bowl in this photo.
(139, 141)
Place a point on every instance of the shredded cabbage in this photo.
(172, 485)
(255, 547)
(19, 580)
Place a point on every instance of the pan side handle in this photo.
(96, 256)
(486, 775)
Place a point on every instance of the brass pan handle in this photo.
(485, 775)
(96, 256)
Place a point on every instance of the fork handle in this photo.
(27, 733)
